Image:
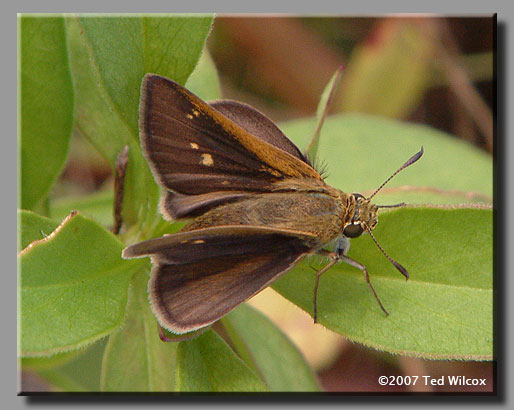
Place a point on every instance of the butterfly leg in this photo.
(119, 187)
(334, 259)
(360, 266)
(342, 246)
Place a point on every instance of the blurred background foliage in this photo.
(433, 71)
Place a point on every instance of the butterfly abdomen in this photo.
(275, 210)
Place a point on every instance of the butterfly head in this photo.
(365, 214)
(365, 217)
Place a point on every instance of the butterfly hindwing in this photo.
(177, 206)
(256, 123)
(199, 276)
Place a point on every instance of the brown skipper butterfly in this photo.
(257, 206)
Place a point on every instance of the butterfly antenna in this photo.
(402, 270)
(410, 161)
(392, 206)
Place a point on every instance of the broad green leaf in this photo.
(72, 287)
(362, 151)
(79, 375)
(445, 310)
(33, 227)
(388, 75)
(50, 362)
(97, 119)
(206, 364)
(46, 105)
(431, 195)
(204, 80)
(98, 206)
(109, 57)
(126, 48)
(135, 358)
(266, 349)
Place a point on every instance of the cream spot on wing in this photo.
(207, 160)
(196, 113)
(194, 145)
(189, 116)
(199, 241)
(269, 170)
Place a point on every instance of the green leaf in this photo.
(109, 57)
(46, 105)
(206, 364)
(135, 358)
(79, 375)
(72, 287)
(322, 111)
(33, 227)
(126, 48)
(432, 195)
(268, 351)
(98, 205)
(204, 80)
(97, 120)
(445, 309)
(50, 362)
(362, 151)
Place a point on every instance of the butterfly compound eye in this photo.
(353, 230)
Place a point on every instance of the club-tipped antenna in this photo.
(410, 161)
(402, 270)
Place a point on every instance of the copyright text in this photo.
(430, 381)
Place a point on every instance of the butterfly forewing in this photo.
(194, 149)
